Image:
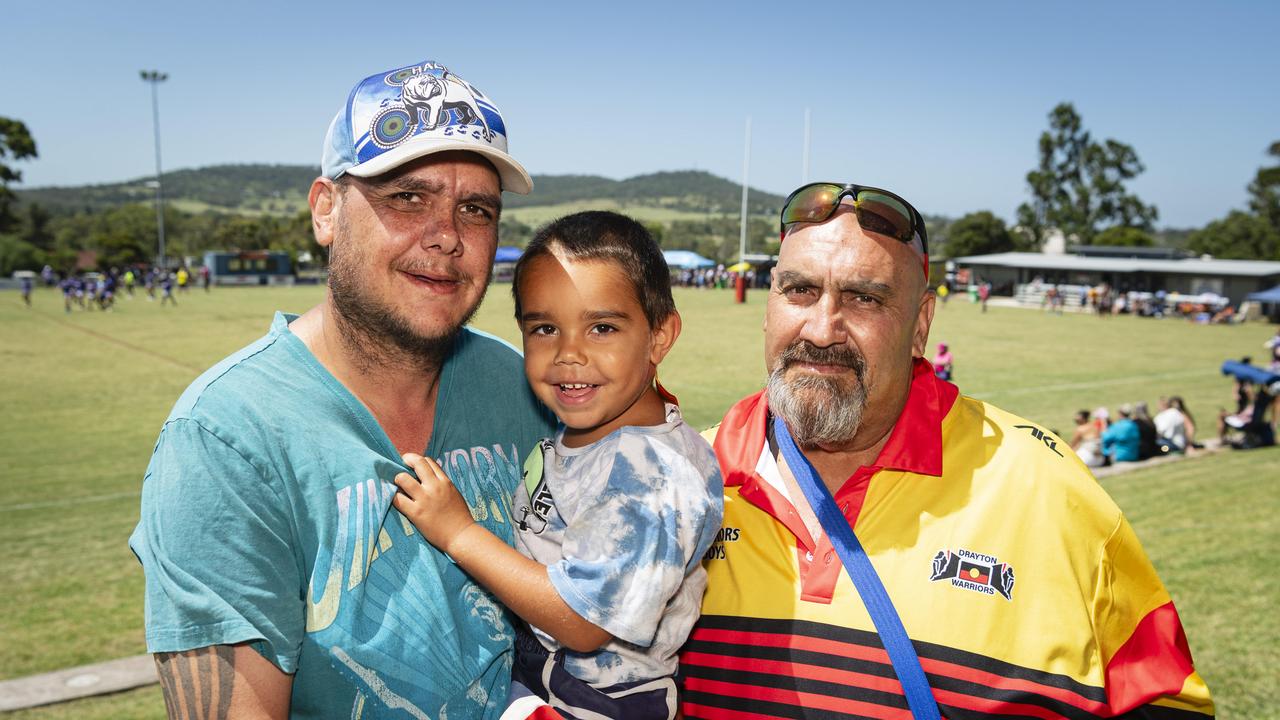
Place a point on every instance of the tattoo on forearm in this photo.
(197, 683)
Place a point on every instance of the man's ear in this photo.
(664, 337)
(324, 200)
(924, 320)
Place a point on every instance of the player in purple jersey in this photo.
(88, 296)
(107, 291)
(67, 286)
(166, 285)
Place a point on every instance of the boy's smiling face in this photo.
(589, 353)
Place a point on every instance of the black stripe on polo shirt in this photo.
(823, 631)
(798, 682)
(764, 707)
(791, 655)
(1158, 712)
(1010, 697)
(800, 712)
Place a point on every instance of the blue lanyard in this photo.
(888, 625)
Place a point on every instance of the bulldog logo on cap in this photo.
(400, 115)
(428, 101)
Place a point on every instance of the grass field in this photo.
(83, 396)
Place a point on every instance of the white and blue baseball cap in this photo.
(410, 112)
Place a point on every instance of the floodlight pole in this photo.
(746, 168)
(155, 77)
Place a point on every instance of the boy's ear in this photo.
(664, 337)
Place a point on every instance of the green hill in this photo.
(253, 207)
(282, 189)
(693, 191)
(249, 189)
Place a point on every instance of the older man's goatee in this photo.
(819, 410)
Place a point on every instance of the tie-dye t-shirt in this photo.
(621, 525)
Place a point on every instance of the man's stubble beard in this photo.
(818, 410)
(371, 330)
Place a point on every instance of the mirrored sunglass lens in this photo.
(812, 204)
(883, 214)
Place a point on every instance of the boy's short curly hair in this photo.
(604, 235)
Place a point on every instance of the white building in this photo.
(1124, 269)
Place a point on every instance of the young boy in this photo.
(616, 512)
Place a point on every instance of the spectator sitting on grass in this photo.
(1243, 391)
(1087, 441)
(1174, 424)
(1149, 444)
(1101, 419)
(1255, 429)
(1121, 441)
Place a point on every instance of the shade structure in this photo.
(686, 259)
(1266, 296)
(507, 254)
(1250, 373)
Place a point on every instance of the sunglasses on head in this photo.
(878, 211)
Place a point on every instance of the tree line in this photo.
(1078, 188)
(127, 235)
(116, 224)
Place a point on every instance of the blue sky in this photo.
(940, 101)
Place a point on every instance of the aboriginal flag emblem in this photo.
(973, 571)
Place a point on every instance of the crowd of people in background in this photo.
(979, 292)
(1135, 435)
(1105, 301)
(100, 290)
(720, 277)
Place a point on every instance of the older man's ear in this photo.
(924, 320)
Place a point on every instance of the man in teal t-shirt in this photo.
(279, 581)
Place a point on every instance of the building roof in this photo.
(1192, 266)
(1123, 251)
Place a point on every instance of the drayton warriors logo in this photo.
(973, 571)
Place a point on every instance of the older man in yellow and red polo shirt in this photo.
(892, 549)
